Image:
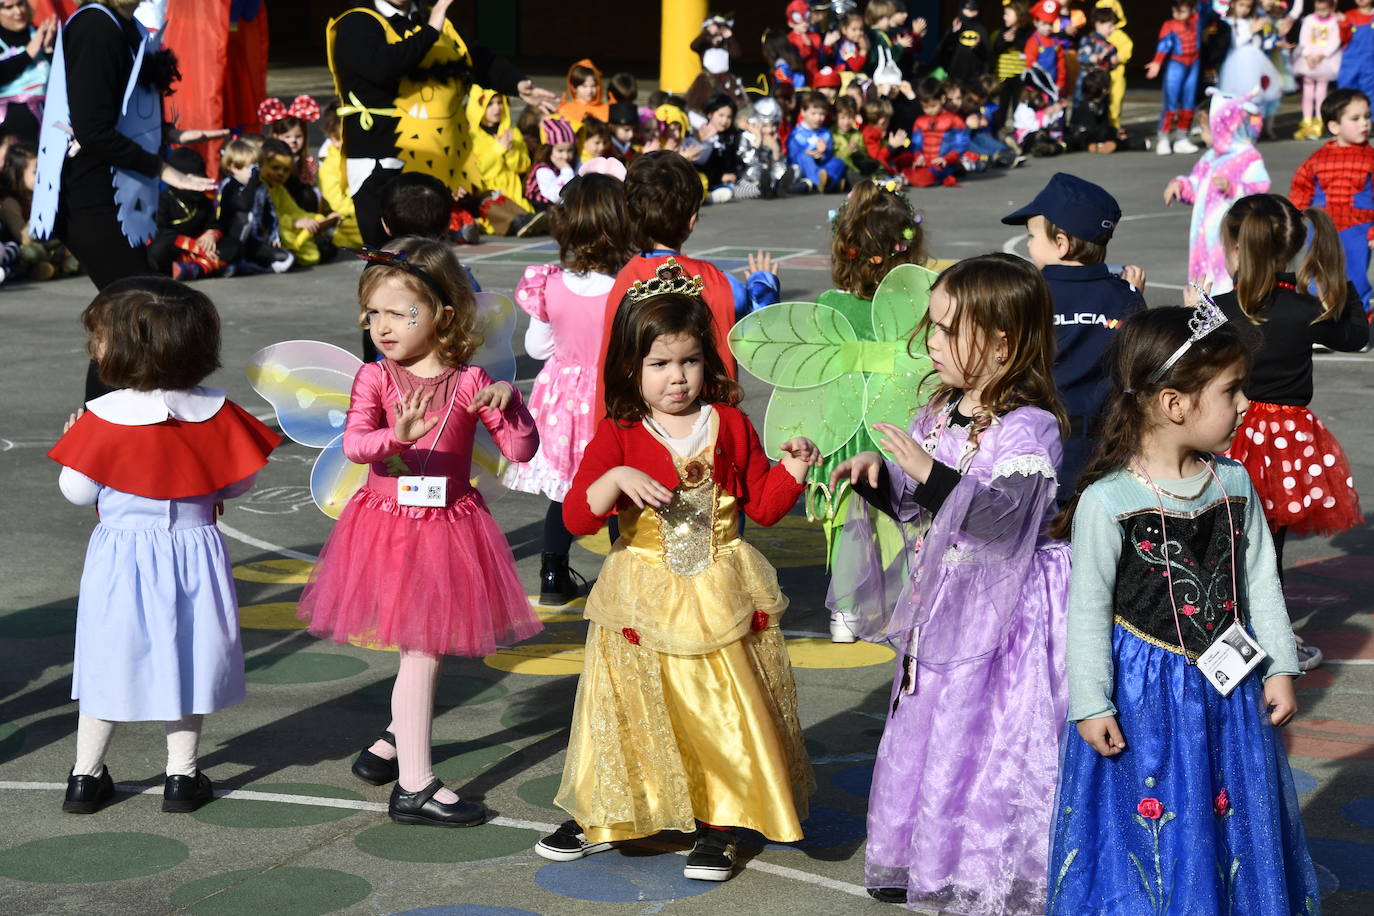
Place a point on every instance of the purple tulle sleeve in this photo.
(972, 558)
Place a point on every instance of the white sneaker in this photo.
(1183, 145)
(1162, 146)
(284, 264)
(1309, 657)
(840, 629)
(722, 196)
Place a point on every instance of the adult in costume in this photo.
(98, 151)
(402, 78)
(25, 58)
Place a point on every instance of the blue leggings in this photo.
(1355, 241)
(1180, 86)
(811, 170)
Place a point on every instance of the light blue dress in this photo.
(157, 630)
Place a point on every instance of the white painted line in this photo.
(1349, 661)
(769, 868)
(265, 545)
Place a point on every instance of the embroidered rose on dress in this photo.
(760, 622)
(1151, 808)
(630, 636)
(1222, 803)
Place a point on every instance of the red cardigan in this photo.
(765, 493)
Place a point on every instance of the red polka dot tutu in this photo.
(1299, 470)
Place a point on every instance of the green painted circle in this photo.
(301, 667)
(279, 891)
(408, 843)
(540, 791)
(11, 740)
(534, 720)
(454, 690)
(458, 761)
(253, 813)
(91, 857)
(35, 622)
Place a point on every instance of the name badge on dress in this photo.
(427, 492)
(1230, 659)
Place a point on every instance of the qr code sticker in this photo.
(434, 492)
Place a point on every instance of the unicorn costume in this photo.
(1235, 126)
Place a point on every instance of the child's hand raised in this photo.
(1134, 275)
(497, 394)
(1282, 701)
(866, 465)
(410, 422)
(1103, 735)
(906, 451)
(763, 261)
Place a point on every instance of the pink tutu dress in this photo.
(567, 331)
(434, 580)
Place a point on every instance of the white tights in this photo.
(93, 740)
(412, 719)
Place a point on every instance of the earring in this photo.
(1001, 359)
(414, 317)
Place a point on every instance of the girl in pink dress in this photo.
(565, 303)
(416, 561)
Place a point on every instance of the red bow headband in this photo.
(302, 106)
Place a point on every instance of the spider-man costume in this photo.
(1340, 180)
(1177, 51)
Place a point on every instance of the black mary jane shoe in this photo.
(888, 894)
(377, 770)
(88, 794)
(184, 794)
(421, 808)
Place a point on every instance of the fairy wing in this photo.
(899, 362)
(496, 325)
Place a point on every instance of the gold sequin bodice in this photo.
(697, 526)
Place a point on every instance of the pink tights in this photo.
(1313, 94)
(412, 715)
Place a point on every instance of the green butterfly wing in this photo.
(899, 305)
(795, 344)
(828, 415)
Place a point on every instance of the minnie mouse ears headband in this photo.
(302, 106)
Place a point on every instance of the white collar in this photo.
(588, 284)
(389, 9)
(127, 407)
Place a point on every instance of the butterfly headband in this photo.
(399, 261)
(302, 106)
(1207, 317)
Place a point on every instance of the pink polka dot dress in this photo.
(567, 311)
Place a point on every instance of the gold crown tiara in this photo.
(668, 278)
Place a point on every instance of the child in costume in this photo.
(1125, 50)
(1249, 68)
(498, 149)
(1096, 50)
(765, 171)
(1038, 121)
(964, 51)
(1177, 798)
(714, 149)
(682, 606)
(1339, 178)
(1298, 468)
(1231, 168)
(805, 42)
(566, 302)
(157, 630)
(1090, 125)
(288, 124)
(186, 245)
(554, 163)
(251, 241)
(303, 233)
(593, 139)
(333, 178)
(1043, 49)
(939, 141)
(1068, 227)
(431, 576)
(811, 149)
(624, 124)
(1176, 54)
(25, 256)
(584, 95)
(1316, 61)
(849, 142)
(978, 700)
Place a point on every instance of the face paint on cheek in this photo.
(414, 318)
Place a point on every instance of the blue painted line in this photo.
(624, 875)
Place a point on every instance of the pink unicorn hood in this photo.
(1235, 121)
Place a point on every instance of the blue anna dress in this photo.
(1198, 814)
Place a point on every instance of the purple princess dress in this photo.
(963, 787)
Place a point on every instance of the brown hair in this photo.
(846, 104)
(591, 226)
(1002, 293)
(273, 148)
(1022, 10)
(877, 108)
(637, 325)
(1270, 233)
(662, 194)
(154, 332)
(414, 203)
(870, 229)
(1337, 101)
(456, 333)
(878, 9)
(330, 122)
(1080, 250)
(815, 100)
(17, 159)
(623, 87)
(1143, 344)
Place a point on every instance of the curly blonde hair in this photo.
(456, 336)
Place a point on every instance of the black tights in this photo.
(1279, 537)
(558, 539)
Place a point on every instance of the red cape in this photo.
(168, 460)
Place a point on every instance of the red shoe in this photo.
(950, 181)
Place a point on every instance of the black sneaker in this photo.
(568, 844)
(713, 856)
(184, 794)
(88, 794)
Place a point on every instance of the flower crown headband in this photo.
(302, 106)
(400, 261)
(892, 187)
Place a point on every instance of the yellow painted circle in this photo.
(274, 615)
(275, 572)
(567, 614)
(362, 642)
(822, 653)
(599, 543)
(548, 659)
